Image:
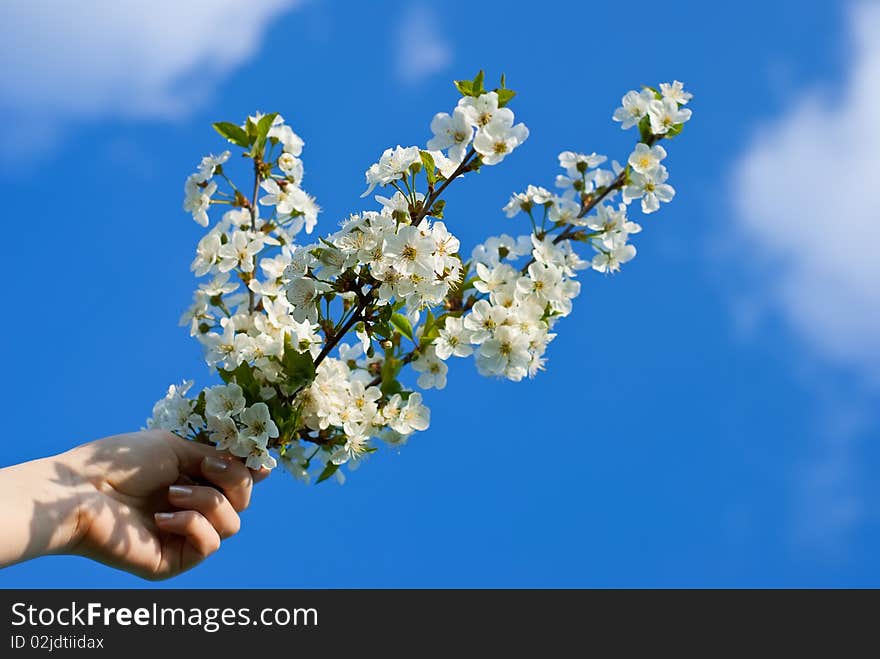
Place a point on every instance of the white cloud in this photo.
(807, 203)
(133, 58)
(420, 49)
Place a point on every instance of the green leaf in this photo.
(437, 209)
(243, 376)
(430, 329)
(262, 132)
(504, 96)
(428, 162)
(465, 87)
(299, 369)
(468, 283)
(251, 128)
(291, 424)
(199, 407)
(402, 324)
(233, 133)
(390, 369)
(502, 81)
(329, 470)
(675, 130)
(391, 388)
(429, 320)
(382, 330)
(477, 84)
(645, 129)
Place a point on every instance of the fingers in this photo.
(231, 476)
(194, 527)
(229, 473)
(210, 503)
(260, 474)
(189, 454)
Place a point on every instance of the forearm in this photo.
(39, 503)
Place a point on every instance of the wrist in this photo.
(71, 493)
(43, 505)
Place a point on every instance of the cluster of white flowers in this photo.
(200, 187)
(272, 314)
(415, 264)
(663, 110)
(508, 328)
(482, 120)
(175, 412)
(341, 396)
(233, 426)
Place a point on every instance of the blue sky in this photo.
(709, 416)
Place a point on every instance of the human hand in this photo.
(149, 502)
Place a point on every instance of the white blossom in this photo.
(292, 143)
(665, 114)
(453, 339)
(224, 400)
(634, 106)
(675, 92)
(650, 187)
(495, 140)
(432, 370)
(644, 158)
(258, 425)
(453, 132)
(393, 164)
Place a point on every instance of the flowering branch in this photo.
(393, 278)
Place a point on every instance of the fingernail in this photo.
(216, 464)
(164, 516)
(180, 490)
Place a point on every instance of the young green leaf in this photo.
(430, 329)
(645, 129)
(504, 96)
(430, 167)
(477, 84)
(243, 376)
(233, 133)
(262, 132)
(465, 87)
(437, 209)
(298, 366)
(199, 407)
(673, 131)
(329, 470)
(390, 369)
(403, 325)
